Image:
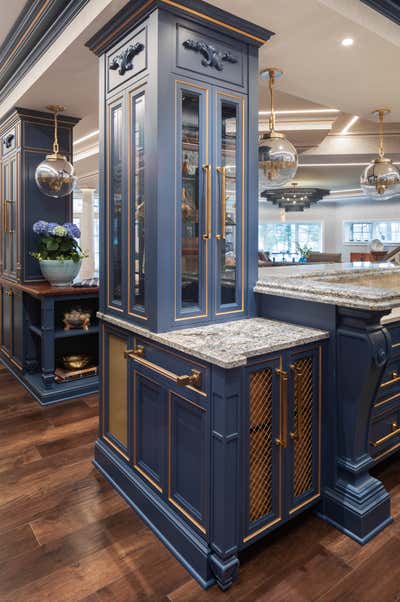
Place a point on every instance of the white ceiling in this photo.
(318, 73)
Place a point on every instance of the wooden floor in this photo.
(66, 535)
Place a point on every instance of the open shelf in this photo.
(60, 333)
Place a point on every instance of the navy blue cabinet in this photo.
(11, 325)
(283, 438)
(179, 109)
(230, 454)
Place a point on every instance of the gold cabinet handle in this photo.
(395, 379)
(297, 434)
(394, 433)
(207, 169)
(186, 380)
(283, 418)
(222, 171)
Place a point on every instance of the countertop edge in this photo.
(238, 361)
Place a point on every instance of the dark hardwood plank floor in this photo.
(66, 535)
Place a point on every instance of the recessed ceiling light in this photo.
(347, 42)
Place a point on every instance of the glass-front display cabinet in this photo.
(179, 164)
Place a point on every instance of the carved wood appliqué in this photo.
(124, 61)
(7, 140)
(212, 57)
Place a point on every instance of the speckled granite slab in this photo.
(229, 344)
(359, 286)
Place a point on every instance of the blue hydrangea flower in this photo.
(59, 231)
(50, 228)
(73, 230)
(40, 227)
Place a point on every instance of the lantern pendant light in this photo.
(55, 175)
(380, 180)
(277, 157)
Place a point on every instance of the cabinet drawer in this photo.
(174, 366)
(215, 57)
(127, 60)
(9, 141)
(389, 389)
(395, 334)
(384, 434)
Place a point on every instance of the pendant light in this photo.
(55, 175)
(380, 180)
(277, 157)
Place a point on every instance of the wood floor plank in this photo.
(66, 535)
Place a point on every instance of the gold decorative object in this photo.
(380, 180)
(76, 318)
(277, 157)
(76, 362)
(55, 175)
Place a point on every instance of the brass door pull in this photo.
(297, 434)
(222, 171)
(207, 170)
(186, 380)
(283, 418)
(395, 379)
(394, 433)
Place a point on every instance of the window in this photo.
(281, 239)
(78, 219)
(364, 232)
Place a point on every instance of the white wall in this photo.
(332, 215)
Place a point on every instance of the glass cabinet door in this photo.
(9, 216)
(115, 208)
(136, 236)
(229, 195)
(193, 202)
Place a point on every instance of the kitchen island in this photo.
(357, 303)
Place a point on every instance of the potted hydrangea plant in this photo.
(58, 252)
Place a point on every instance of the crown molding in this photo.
(37, 27)
(387, 8)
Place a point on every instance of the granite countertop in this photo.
(229, 344)
(359, 285)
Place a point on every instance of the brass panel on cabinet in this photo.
(117, 389)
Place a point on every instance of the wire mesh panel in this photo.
(303, 418)
(260, 452)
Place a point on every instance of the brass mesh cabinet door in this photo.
(263, 457)
(305, 428)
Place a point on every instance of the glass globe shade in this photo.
(55, 176)
(380, 180)
(277, 161)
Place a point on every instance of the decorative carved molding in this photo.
(212, 57)
(7, 140)
(123, 62)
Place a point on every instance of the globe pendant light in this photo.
(55, 175)
(380, 180)
(277, 157)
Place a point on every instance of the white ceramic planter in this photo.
(60, 273)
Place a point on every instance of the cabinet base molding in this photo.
(182, 541)
(360, 519)
(33, 383)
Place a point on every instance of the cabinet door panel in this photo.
(263, 458)
(229, 195)
(116, 207)
(9, 216)
(137, 212)
(304, 428)
(17, 325)
(150, 429)
(6, 338)
(188, 459)
(115, 391)
(193, 201)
